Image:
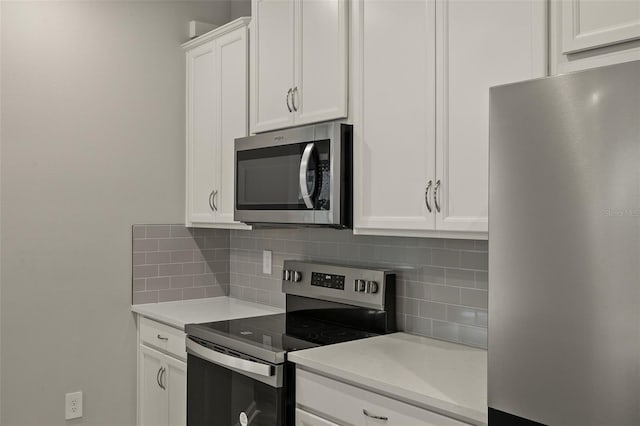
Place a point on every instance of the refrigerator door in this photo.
(564, 248)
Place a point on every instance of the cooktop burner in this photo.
(279, 332)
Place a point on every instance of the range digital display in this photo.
(327, 280)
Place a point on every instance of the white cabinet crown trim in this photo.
(216, 33)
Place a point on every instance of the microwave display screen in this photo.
(269, 178)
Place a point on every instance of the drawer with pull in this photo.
(340, 403)
(164, 337)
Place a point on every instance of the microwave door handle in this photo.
(228, 360)
(304, 168)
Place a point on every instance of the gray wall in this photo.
(92, 142)
(441, 288)
(240, 8)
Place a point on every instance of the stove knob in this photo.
(360, 286)
(372, 287)
(286, 275)
(296, 276)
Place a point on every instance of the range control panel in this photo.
(327, 280)
(348, 284)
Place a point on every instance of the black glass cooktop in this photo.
(277, 334)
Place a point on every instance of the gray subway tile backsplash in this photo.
(441, 283)
(434, 276)
(172, 262)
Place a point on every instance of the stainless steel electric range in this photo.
(237, 370)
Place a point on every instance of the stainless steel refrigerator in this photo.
(564, 249)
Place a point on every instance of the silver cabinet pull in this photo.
(162, 338)
(426, 195)
(366, 413)
(293, 98)
(158, 377)
(210, 201)
(213, 200)
(435, 195)
(289, 94)
(162, 373)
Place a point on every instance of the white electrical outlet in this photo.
(73, 405)
(266, 262)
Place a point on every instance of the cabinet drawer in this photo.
(342, 403)
(161, 336)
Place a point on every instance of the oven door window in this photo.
(218, 396)
(286, 177)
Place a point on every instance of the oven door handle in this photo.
(228, 360)
(302, 179)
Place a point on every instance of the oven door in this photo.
(226, 388)
(293, 176)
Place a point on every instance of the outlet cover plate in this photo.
(266, 262)
(73, 405)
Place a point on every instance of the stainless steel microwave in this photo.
(295, 177)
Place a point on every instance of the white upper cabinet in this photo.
(393, 115)
(272, 47)
(593, 33)
(217, 114)
(201, 148)
(421, 73)
(299, 62)
(470, 59)
(587, 24)
(320, 89)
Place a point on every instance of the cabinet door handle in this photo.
(160, 337)
(426, 195)
(158, 377)
(293, 98)
(162, 374)
(289, 94)
(435, 195)
(366, 413)
(213, 200)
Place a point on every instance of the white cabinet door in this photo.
(588, 24)
(320, 91)
(175, 380)
(304, 418)
(202, 122)
(217, 114)
(393, 114)
(470, 59)
(231, 67)
(153, 399)
(586, 34)
(272, 68)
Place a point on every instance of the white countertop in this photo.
(183, 312)
(435, 375)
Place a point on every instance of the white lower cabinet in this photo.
(304, 418)
(162, 376)
(322, 401)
